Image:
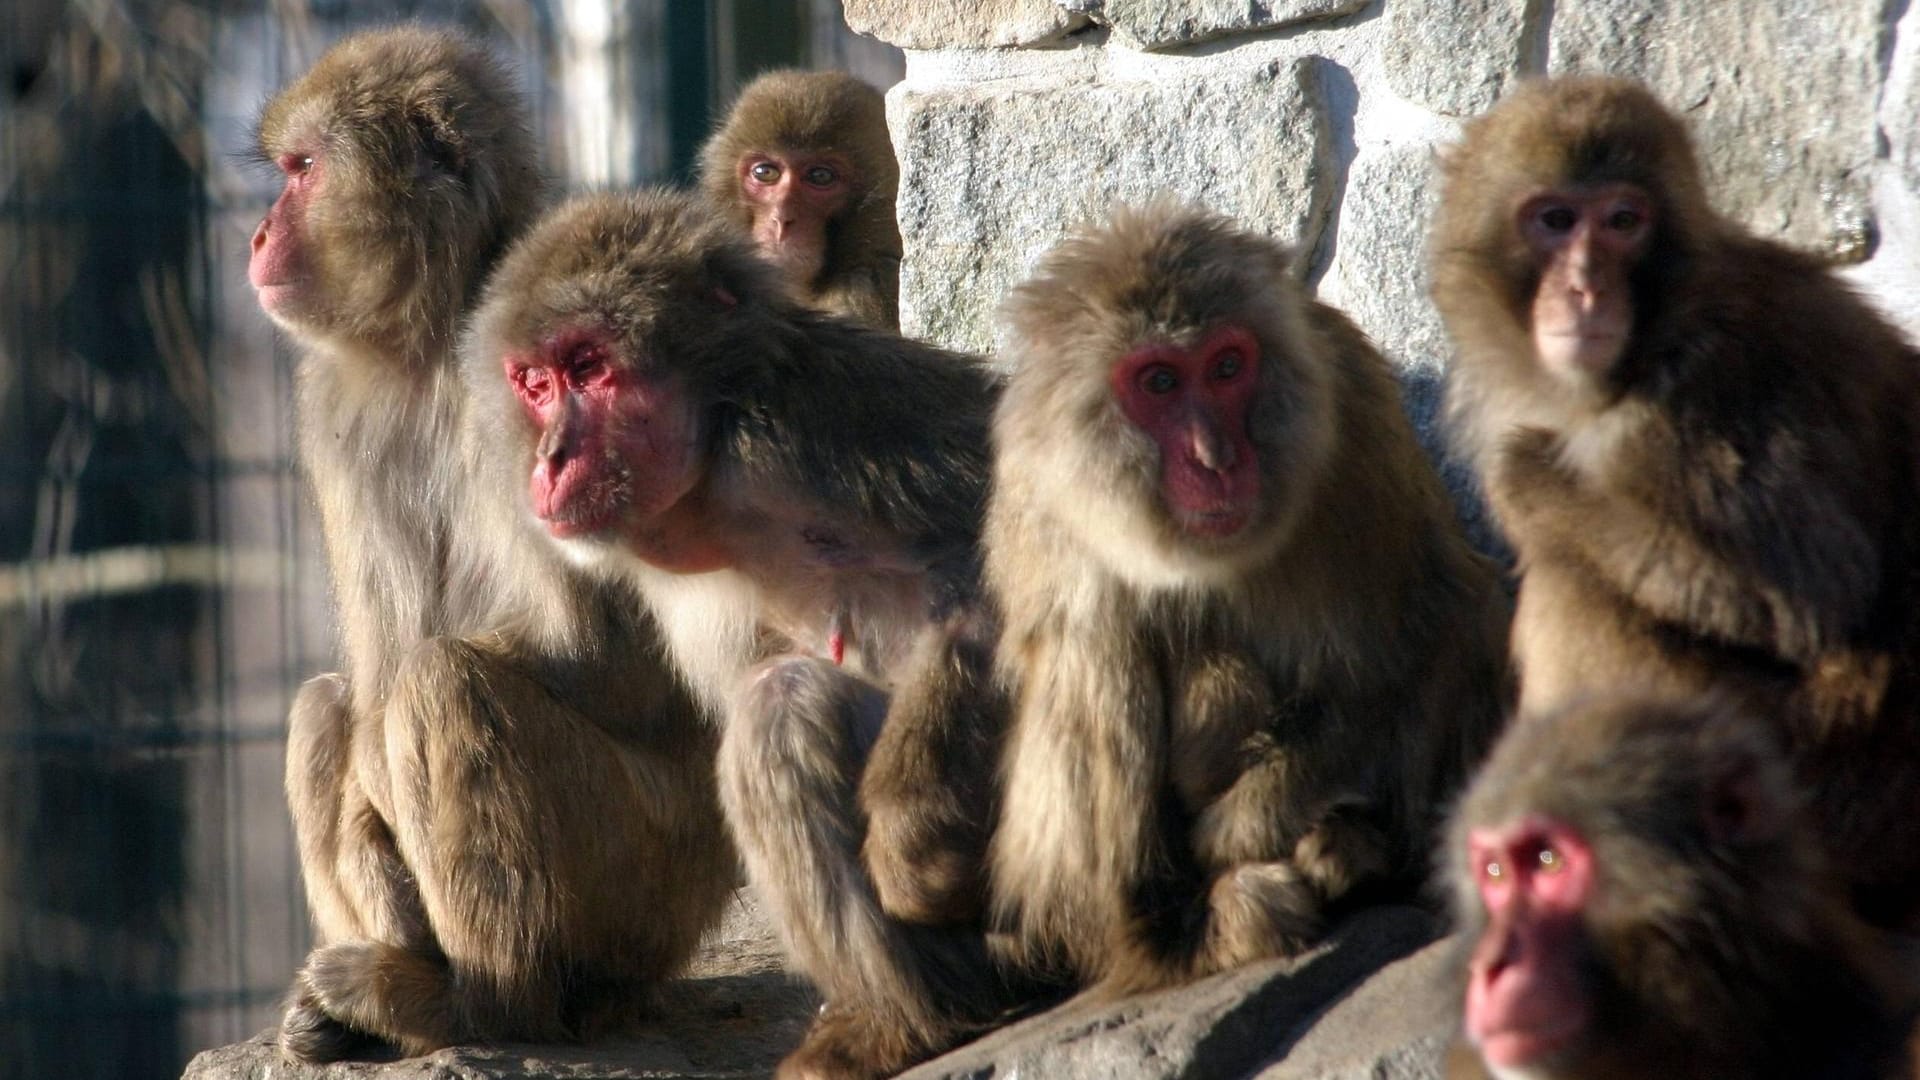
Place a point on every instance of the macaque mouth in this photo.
(1517, 1046)
(1213, 523)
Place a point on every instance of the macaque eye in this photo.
(765, 172)
(1493, 870)
(296, 164)
(1158, 379)
(1228, 365)
(821, 176)
(1623, 219)
(1550, 862)
(1558, 218)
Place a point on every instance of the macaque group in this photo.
(1702, 448)
(1145, 651)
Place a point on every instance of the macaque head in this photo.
(806, 159)
(1168, 401)
(600, 353)
(1569, 211)
(1612, 865)
(401, 150)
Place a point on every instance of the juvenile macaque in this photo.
(503, 772)
(798, 500)
(1642, 894)
(805, 163)
(1249, 650)
(1701, 445)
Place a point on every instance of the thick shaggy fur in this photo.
(1731, 505)
(1213, 741)
(1716, 943)
(803, 417)
(504, 770)
(822, 112)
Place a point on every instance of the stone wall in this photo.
(1319, 120)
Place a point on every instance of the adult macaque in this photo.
(1642, 894)
(1701, 446)
(503, 772)
(1249, 649)
(805, 163)
(798, 500)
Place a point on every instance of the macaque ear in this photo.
(437, 142)
(1738, 805)
(724, 296)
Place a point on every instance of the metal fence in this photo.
(160, 591)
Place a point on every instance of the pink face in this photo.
(1526, 992)
(279, 265)
(618, 448)
(1585, 241)
(792, 197)
(1193, 402)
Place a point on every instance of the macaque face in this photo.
(792, 197)
(618, 446)
(1584, 242)
(281, 265)
(1527, 1002)
(1192, 401)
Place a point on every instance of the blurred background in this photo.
(161, 587)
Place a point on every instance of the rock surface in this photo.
(979, 201)
(1455, 56)
(1352, 1007)
(1163, 24)
(944, 24)
(1778, 94)
(1265, 1015)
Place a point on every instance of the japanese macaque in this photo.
(504, 771)
(1701, 446)
(805, 163)
(798, 500)
(1250, 651)
(1642, 893)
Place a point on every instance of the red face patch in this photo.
(1194, 403)
(615, 444)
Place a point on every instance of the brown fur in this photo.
(503, 772)
(1716, 943)
(808, 425)
(822, 111)
(1732, 504)
(1215, 742)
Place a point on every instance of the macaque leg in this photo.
(928, 790)
(1277, 869)
(357, 887)
(534, 839)
(790, 758)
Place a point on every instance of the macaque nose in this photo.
(1210, 448)
(260, 236)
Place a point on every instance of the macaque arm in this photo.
(847, 425)
(929, 786)
(1796, 577)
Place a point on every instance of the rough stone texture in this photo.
(1455, 56)
(1394, 1026)
(1163, 24)
(1224, 1026)
(1380, 264)
(991, 176)
(1779, 93)
(963, 24)
(734, 1016)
